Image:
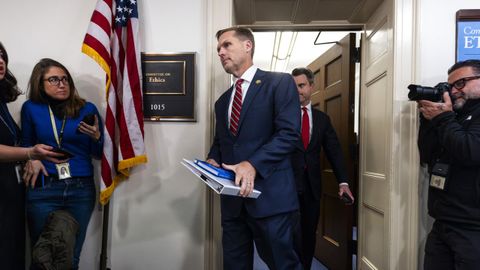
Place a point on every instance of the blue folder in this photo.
(220, 172)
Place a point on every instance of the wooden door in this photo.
(335, 95)
(376, 231)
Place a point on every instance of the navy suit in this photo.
(268, 128)
(306, 165)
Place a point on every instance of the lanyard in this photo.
(54, 126)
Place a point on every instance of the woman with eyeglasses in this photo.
(55, 115)
(12, 191)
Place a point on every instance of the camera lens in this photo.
(418, 92)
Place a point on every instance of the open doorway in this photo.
(299, 49)
(333, 57)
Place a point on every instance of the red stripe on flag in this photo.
(102, 22)
(134, 78)
(120, 59)
(106, 171)
(97, 46)
(127, 149)
(106, 166)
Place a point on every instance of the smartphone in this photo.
(346, 199)
(62, 151)
(89, 119)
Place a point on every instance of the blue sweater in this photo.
(37, 128)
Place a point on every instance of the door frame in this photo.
(403, 190)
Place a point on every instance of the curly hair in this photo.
(8, 85)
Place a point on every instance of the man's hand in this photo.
(345, 189)
(31, 170)
(431, 109)
(244, 176)
(213, 162)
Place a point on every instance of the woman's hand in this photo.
(92, 131)
(31, 171)
(42, 151)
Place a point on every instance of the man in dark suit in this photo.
(317, 132)
(257, 125)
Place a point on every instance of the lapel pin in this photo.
(258, 81)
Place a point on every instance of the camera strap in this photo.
(440, 170)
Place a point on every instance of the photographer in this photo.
(449, 143)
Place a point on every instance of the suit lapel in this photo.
(255, 86)
(224, 108)
(316, 126)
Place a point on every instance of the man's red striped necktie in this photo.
(236, 107)
(305, 128)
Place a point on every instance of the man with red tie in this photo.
(257, 126)
(317, 132)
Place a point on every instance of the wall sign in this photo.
(168, 87)
(468, 34)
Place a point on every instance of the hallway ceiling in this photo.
(302, 53)
(303, 12)
(335, 18)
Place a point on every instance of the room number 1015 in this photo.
(157, 107)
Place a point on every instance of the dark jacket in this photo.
(454, 138)
(12, 205)
(54, 248)
(268, 128)
(308, 160)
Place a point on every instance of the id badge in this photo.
(439, 175)
(63, 170)
(437, 181)
(18, 172)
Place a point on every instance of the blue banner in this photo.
(468, 40)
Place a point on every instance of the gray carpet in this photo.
(258, 264)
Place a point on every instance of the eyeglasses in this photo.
(55, 80)
(460, 83)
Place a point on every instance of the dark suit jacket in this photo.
(268, 128)
(323, 135)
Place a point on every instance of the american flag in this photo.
(112, 40)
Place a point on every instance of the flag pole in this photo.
(103, 251)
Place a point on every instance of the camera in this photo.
(418, 92)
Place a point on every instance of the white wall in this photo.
(436, 34)
(158, 216)
(435, 54)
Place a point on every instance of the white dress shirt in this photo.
(247, 77)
